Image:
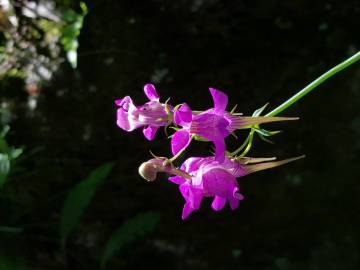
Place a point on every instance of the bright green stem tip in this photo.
(307, 89)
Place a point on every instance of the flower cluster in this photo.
(211, 176)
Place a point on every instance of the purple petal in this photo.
(210, 125)
(123, 120)
(240, 170)
(192, 195)
(223, 127)
(124, 102)
(235, 167)
(220, 149)
(220, 100)
(125, 115)
(184, 190)
(150, 92)
(196, 196)
(234, 198)
(193, 199)
(150, 132)
(192, 164)
(180, 140)
(177, 180)
(234, 203)
(218, 181)
(237, 195)
(187, 210)
(183, 115)
(218, 203)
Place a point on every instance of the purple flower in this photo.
(214, 124)
(210, 124)
(213, 179)
(151, 115)
(209, 179)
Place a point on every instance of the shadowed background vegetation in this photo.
(70, 194)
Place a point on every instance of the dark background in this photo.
(304, 215)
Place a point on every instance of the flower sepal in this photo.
(251, 165)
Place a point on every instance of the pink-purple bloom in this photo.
(214, 124)
(198, 177)
(210, 178)
(150, 116)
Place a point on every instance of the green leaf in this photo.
(4, 147)
(15, 152)
(4, 131)
(7, 156)
(84, 8)
(71, 56)
(79, 198)
(4, 168)
(131, 230)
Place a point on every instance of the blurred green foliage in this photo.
(8, 263)
(78, 198)
(73, 22)
(36, 36)
(133, 229)
(8, 156)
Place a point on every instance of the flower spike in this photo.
(213, 176)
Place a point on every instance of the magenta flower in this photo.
(151, 115)
(209, 179)
(210, 124)
(214, 124)
(213, 179)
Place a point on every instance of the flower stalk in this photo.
(307, 89)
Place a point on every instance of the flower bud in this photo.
(148, 171)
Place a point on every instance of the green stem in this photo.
(248, 147)
(246, 142)
(315, 83)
